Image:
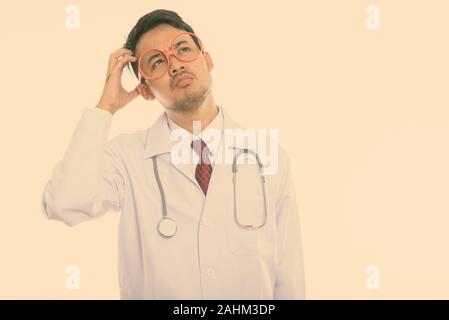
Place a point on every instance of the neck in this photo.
(205, 114)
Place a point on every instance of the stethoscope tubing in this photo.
(234, 178)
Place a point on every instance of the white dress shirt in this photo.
(212, 145)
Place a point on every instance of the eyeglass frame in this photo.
(167, 54)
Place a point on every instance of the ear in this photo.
(145, 91)
(210, 63)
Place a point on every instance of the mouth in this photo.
(184, 82)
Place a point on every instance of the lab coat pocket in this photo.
(246, 208)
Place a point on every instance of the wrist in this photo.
(106, 108)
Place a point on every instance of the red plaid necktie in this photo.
(203, 169)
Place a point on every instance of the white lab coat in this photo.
(210, 257)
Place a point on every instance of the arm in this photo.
(87, 182)
(290, 282)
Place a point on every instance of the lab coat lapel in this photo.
(219, 193)
(158, 142)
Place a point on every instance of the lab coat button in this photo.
(206, 222)
(211, 272)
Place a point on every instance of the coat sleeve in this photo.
(290, 283)
(87, 182)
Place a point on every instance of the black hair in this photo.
(150, 21)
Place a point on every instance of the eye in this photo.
(184, 49)
(157, 63)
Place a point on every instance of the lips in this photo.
(183, 81)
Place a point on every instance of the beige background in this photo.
(363, 114)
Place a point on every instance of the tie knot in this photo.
(199, 146)
(201, 150)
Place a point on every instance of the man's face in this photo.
(175, 97)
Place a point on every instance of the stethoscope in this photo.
(167, 227)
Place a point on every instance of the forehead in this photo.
(159, 37)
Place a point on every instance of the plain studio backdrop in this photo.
(358, 91)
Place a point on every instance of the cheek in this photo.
(206, 72)
(161, 88)
(202, 74)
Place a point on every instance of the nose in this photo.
(175, 65)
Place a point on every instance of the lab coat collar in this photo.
(158, 138)
(215, 124)
(158, 135)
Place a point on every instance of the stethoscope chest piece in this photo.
(167, 227)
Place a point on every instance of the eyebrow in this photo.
(180, 42)
(158, 54)
(154, 56)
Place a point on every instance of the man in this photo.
(185, 232)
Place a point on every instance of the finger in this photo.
(120, 52)
(118, 67)
(122, 62)
(115, 56)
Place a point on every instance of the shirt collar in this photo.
(216, 124)
(157, 137)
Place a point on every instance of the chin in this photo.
(190, 101)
